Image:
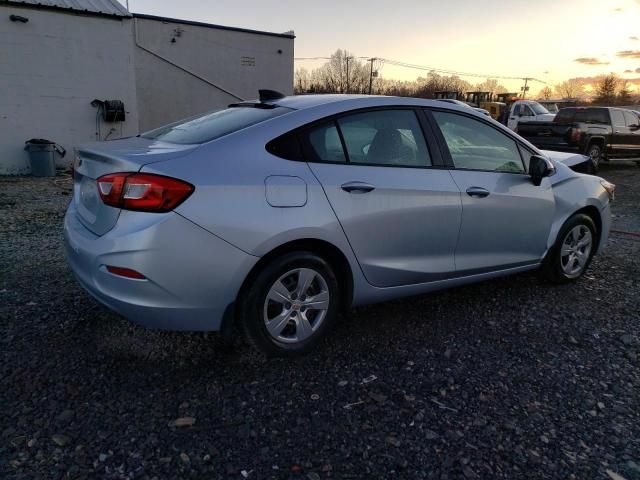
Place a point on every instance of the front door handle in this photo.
(477, 192)
(357, 187)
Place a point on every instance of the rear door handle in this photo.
(357, 187)
(477, 192)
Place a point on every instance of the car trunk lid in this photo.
(100, 158)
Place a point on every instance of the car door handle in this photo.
(477, 192)
(357, 187)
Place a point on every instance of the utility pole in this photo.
(371, 75)
(524, 89)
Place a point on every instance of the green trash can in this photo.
(42, 156)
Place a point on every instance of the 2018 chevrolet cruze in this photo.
(275, 214)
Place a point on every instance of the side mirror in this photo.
(539, 167)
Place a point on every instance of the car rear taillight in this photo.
(145, 192)
(576, 135)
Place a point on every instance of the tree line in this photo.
(345, 73)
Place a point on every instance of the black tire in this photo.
(594, 151)
(253, 310)
(552, 266)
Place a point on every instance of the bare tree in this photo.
(343, 73)
(570, 89)
(545, 93)
(624, 93)
(491, 85)
(605, 89)
(302, 81)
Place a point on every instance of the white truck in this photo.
(527, 111)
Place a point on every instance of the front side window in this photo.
(617, 118)
(210, 126)
(385, 137)
(631, 119)
(474, 145)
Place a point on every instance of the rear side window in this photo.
(565, 115)
(287, 147)
(592, 115)
(385, 137)
(323, 144)
(210, 126)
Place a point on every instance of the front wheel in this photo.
(595, 153)
(290, 305)
(571, 255)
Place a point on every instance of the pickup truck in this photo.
(525, 111)
(602, 133)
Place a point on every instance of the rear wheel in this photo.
(571, 255)
(290, 305)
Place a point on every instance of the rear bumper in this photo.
(192, 276)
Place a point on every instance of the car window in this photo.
(592, 115)
(526, 155)
(475, 145)
(630, 118)
(565, 115)
(526, 111)
(617, 118)
(385, 137)
(324, 144)
(286, 146)
(210, 126)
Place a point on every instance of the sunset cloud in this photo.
(628, 54)
(633, 38)
(590, 61)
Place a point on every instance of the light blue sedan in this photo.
(276, 214)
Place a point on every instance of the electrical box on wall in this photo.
(112, 110)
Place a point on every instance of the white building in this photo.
(58, 56)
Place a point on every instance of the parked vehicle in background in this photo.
(527, 111)
(602, 133)
(465, 104)
(550, 105)
(275, 214)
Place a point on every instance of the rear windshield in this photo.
(584, 115)
(212, 125)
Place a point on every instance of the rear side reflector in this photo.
(144, 192)
(125, 272)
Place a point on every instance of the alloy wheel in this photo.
(296, 305)
(576, 249)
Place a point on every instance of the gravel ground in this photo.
(506, 379)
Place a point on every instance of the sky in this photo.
(551, 40)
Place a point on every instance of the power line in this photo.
(398, 63)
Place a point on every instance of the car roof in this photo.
(301, 102)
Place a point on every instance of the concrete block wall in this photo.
(51, 68)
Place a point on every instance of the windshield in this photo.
(551, 107)
(212, 125)
(538, 109)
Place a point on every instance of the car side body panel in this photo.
(248, 202)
